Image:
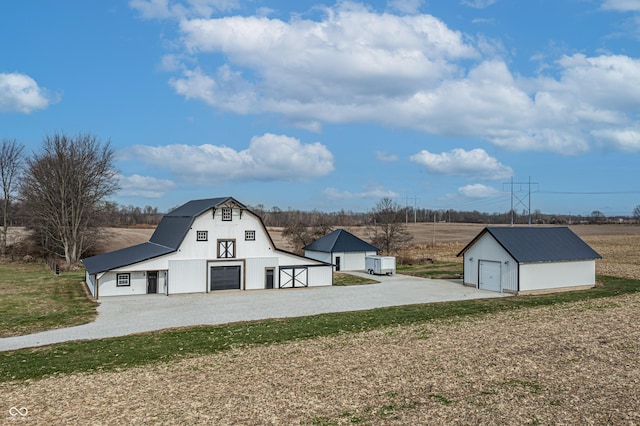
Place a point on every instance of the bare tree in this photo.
(65, 186)
(636, 213)
(11, 165)
(389, 232)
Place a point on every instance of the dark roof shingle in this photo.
(340, 241)
(539, 244)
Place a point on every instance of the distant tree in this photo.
(11, 165)
(65, 188)
(636, 213)
(597, 216)
(388, 229)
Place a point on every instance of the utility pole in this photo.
(521, 196)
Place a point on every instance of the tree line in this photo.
(61, 194)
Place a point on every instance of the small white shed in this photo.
(528, 259)
(342, 249)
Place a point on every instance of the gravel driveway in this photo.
(122, 315)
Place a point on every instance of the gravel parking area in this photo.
(123, 315)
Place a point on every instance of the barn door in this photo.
(152, 282)
(490, 275)
(293, 277)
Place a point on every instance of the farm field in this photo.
(573, 363)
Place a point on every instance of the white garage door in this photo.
(490, 275)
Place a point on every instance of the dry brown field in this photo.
(573, 364)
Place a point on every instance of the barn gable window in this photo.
(226, 249)
(123, 280)
(202, 235)
(250, 235)
(226, 213)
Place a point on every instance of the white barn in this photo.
(342, 249)
(203, 246)
(528, 259)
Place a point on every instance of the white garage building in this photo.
(343, 249)
(203, 246)
(528, 259)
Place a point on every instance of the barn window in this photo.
(226, 249)
(226, 213)
(123, 280)
(250, 235)
(202, 235)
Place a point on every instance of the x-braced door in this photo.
(293, 277)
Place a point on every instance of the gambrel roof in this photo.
(539, 244)
(340, 241)
(166, 238)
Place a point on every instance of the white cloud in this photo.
(622, 5)
(478, 4)
(623, 139)
(372, 193)
(458, 162)
(21, 93)
(144, 186)
(386, 157)
(268, 157)
(358, 65)
(477, 190)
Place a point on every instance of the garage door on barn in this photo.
(225, 278)
(490, 275)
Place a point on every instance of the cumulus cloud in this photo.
(623, 139)
(354, 64)
(144, 186)
(21, 93)
(478, 190)
(458, 162)
(268, 157)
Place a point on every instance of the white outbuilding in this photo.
(343, 249)
(203, 246)
(528, 259)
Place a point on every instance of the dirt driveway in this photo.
(122, 315)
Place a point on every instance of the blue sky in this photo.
(334, 105)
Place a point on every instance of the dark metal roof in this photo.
(124, 257)
(166, 238)
(340, 241)
(537, 244)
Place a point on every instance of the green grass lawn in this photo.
(342, 279)
(33, 299)
(436, 270)
(162, 346)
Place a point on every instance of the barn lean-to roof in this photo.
(538, 244)
(166, 239)
(340, 241)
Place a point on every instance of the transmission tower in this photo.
(521, 196)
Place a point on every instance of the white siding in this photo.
(91, 283)
(107, 285)
(319, 255)
(188, 276)
(319, 276)
(487, 248)
(256, 272)
(354, 261)
(548, 275)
